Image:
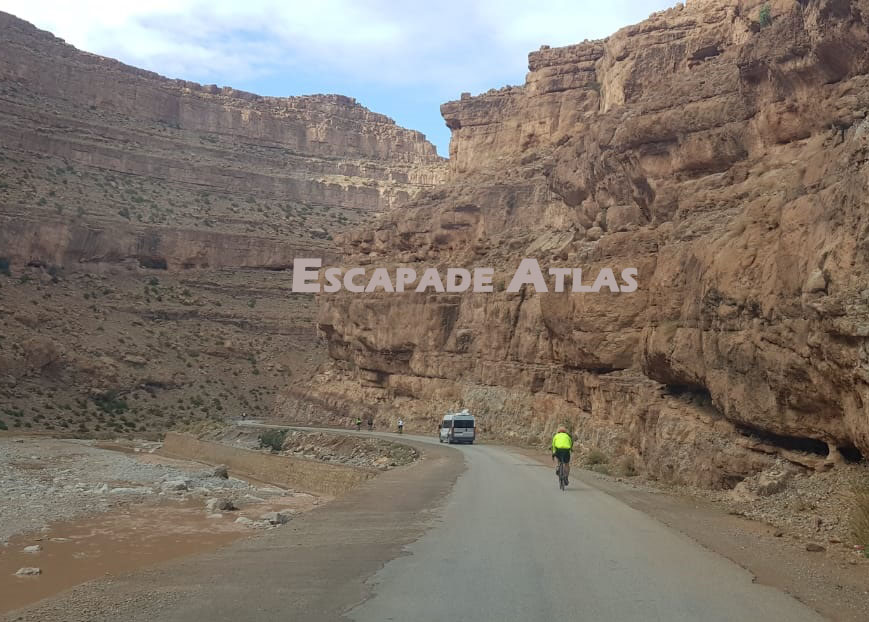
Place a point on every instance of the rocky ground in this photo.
(817, 507)
(44, 481)
(330, 447)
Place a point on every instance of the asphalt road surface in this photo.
(511, 546)
(472, 534)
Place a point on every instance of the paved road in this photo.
(472, 534)
(511, 546)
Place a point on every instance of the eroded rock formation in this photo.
(722, 156)
(144, 227)
(103, 162)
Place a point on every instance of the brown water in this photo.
(77, 551)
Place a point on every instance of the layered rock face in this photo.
(721, 154)
(144, 227)
(102, 162)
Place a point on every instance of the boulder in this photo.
(276, 518)
(34, 548)
(223, 504)
(177, 485)
(220, 471)
(28, 572)
(816, 283)
(42, 354)
(742, 493)
(594, 233)
(772, 482)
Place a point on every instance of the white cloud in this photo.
(448, 46)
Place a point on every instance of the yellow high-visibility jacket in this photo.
(562, 440)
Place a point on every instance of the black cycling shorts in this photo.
(563, 455)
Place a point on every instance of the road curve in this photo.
(470, 534)
(511, 546)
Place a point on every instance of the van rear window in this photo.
(463, 423)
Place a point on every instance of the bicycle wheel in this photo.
(561, 475)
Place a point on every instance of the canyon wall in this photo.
(103, 162)
(145, 228)
(721, 154)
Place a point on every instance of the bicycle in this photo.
(562, 479)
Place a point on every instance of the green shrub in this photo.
(5, 266)
(272, 439)
(110, 403)
(764, 17)
(3, 425)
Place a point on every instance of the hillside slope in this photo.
(145, 224)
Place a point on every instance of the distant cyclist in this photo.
(358, 424)
(401, 426)
(562, 443)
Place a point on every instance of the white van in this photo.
(457, 428)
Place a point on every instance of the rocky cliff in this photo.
(103, 162)
(719, 150)
(144, 227)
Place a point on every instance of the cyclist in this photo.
(562, 443)
(358, 424)
(400, 425)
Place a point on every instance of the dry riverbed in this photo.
(74, 510)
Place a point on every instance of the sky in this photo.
(402, 59)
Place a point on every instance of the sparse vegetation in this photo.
(272, 439)
(860, 515)
(764, 16)
(110, 403)
(595, 457)
(627, 466)
(5, 266)
(601, 468)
